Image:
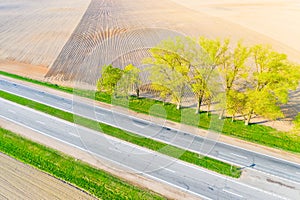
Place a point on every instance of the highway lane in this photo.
(201, 182)
(158, 131)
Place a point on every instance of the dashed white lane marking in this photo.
(37, 94)
(232, 193)
(238, 155)
(280, 169)
(98, 113)
(43, 123)
(169, 170)
(114, 149)
(11, 111)
(139, 125)
(73, 134)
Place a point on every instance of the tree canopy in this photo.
(169, 69)
(109, 79)
(268, 86)
(130, 81)
(242, 80)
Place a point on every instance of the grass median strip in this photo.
(97, 182)
(206, 162)
(254, 133)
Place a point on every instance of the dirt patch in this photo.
(24, 69)
(280, 183)
(20, 181)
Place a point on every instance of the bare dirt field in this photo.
(277, 19)
(110, 30)
(33, 32)
(66, 37)
(20, 181)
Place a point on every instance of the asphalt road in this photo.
(201, 182)
(158, 131)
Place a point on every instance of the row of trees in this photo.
(242, 80)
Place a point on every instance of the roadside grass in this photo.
(50, 85)
(97, 182)
(191, 157)
(256, 133)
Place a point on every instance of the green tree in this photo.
(204, 76)
(204, 83)
(110, 76)
(216, 49)
(234, 73)
(169, 68)
(130, 81)
(269, 86)
(235, 103)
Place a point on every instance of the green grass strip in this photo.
(95, 181)
(50, 85)
(206, 162)
(256, 133)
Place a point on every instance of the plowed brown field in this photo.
(20, 181)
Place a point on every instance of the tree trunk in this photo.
(208, 107)
(137, 90)
(222, 114)
(200, 98)
(247, 121)
(233, 118)
(178, 106)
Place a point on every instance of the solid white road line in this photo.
(232, 193)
